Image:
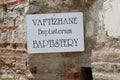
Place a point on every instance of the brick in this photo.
(3, 45)
(7, 27)
(21, 66)
(15, 45)
(11, 3)
(8, 51)
(106, 67)
(73, 75)
(71, 54)
(17, 66)
(1, 5)
(77, 75)
(10, 58)
(106, 56)
(20, 44)
(70, 75)
(9, 65)
(103, 76)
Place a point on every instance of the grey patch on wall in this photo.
(112, 19)
(33, 9)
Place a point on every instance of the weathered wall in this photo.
(13, 55)
(58, 66)
(102, 42)
(13, 50)
(106, 52)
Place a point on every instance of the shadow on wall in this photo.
(1, 65)
(86, 73)
(33, 70)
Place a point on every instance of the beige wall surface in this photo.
(102, 41)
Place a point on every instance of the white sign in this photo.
(55, 32)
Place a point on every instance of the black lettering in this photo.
(57, 43)
(40, 44)
(35, 44)
(60, 21)
(71, 21)
(75, 20)
(76, 42)
(44, 20)
(34, 22)
(40, 22)
(55, 21)
(45, 43)
(65, 21)
(64, 42)
(51, 42)
(70, 42)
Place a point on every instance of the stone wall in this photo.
(58, 66)
(13, 54)
(15, 61)
(102, 41)
(106, 52)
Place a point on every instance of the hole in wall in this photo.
(86, 73)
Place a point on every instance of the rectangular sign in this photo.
(55, 32)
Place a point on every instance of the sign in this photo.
(55, 32)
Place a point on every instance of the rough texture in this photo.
(102, 41)
(106, 52)
(15, 62)
(13, 55)
(58, 65)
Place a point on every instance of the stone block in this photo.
(103, 76)
(109, 55)
(106, 67)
